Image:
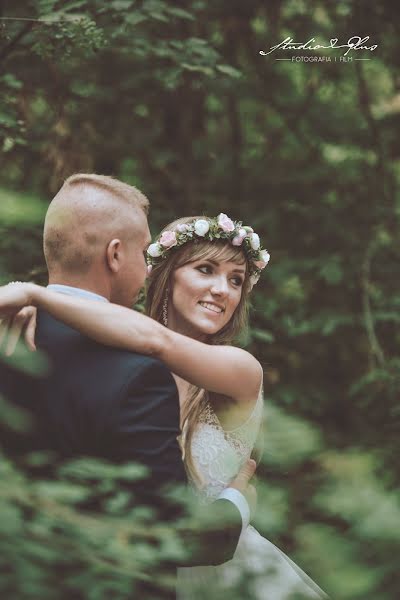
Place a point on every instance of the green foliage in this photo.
(21, 209)
(46, 531)
(12, 129)
(33, 363)
(13, 417)
(176, 99)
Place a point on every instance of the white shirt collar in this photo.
(74, 291)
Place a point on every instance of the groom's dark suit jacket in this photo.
(112, 404)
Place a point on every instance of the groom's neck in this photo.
(84, 283)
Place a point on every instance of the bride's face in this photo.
(204, 296)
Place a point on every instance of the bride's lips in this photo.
(212, 307)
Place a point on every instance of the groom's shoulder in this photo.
(74, 350)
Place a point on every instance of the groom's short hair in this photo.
(109, 184)
(67, 246)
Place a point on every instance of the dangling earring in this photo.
(165, 308)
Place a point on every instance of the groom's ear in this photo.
(114, 255)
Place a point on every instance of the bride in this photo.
(201, 272)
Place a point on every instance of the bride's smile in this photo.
(213, 307)
(205, 294)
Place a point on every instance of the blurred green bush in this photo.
(179, 102)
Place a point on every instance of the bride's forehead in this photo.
(221, 262)
(220, 254)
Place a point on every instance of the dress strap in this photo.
(255, 414)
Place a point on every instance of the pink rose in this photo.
(168, 239)
(237, 240)
(149, 270)
(263, 259)
(260, 264)
(225, 223)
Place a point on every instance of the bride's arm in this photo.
(221, 369)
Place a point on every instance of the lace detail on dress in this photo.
(270, 574)
(218, 454)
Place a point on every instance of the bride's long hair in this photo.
(159, 285)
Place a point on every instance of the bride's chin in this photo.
(199, 331)
(208, 329)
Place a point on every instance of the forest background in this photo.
(175, 98)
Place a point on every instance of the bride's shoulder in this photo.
(244, 361)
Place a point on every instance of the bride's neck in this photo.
(188, 331)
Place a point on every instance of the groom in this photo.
(103, 402)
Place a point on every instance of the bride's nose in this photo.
(220, 286)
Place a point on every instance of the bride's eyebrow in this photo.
(217, 263)
(242, 271)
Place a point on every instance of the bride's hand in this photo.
(16, 316)
(243, 485)
(12, 328)
(14, 296)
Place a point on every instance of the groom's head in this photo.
(95, 236)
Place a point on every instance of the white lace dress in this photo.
(268, 573)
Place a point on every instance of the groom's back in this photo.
(102, 402)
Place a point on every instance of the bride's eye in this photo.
(237, 281)
(205, 269)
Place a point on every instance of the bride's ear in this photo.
(114, 255)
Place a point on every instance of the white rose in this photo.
(201, 227)
(182, 227)
(264, 256)
(154, 250)
(254, 241)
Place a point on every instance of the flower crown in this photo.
(217, 228)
